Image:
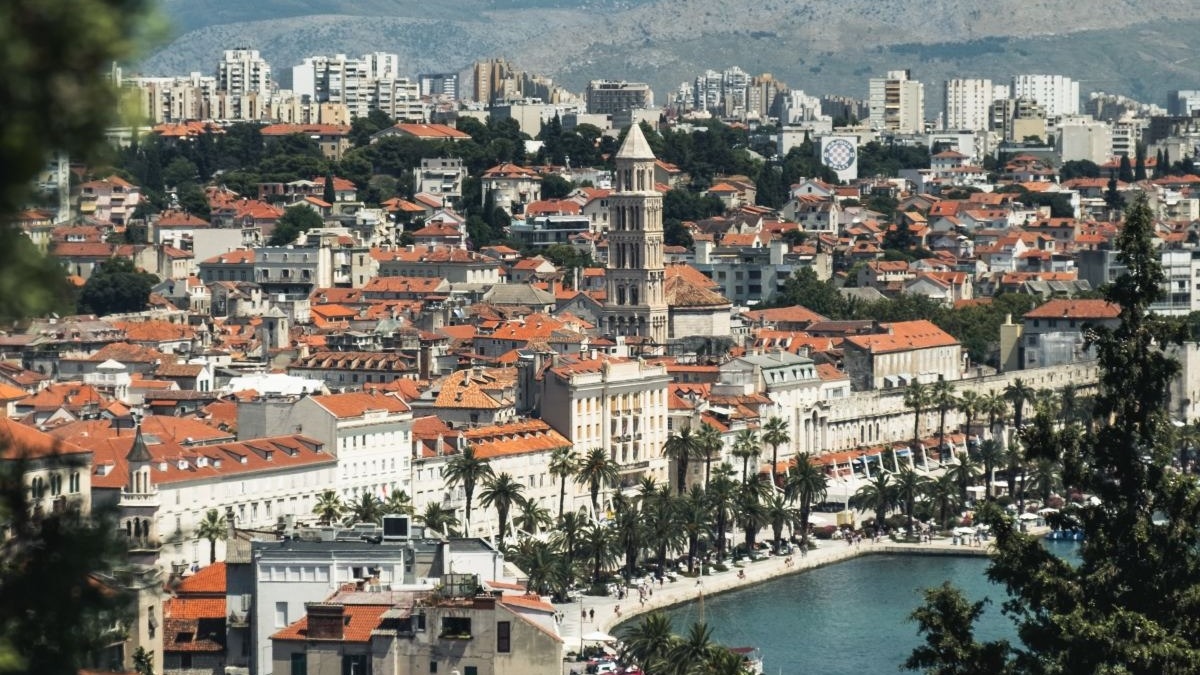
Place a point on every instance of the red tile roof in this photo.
(18, 441)
(1075, 309)
(360, 621)
(903, 336)
(354, 404)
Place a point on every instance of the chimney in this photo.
(326, 621)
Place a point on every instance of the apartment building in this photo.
(897, 103)
(1057, 94)
(610, 97)
(968, 104)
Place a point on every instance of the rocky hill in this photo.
(1118, 46)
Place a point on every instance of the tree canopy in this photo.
(295, 220)
(116, 287)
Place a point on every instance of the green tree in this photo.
(1129, 604)
(649, 641)
(909, 487)
(1079, 168)
(398, 502)
(143, 661)
(628, 531)
(437, 518)
(779, 513)
(694, 519)
(555, 186)
(329, 194)
(1125, 172)
(502, 492)
(775, 434)
(596, 540)
(963, 472)
(533, 517)
(917, 399)
(543, 564)
(329, 508)
(721, 492)
(941, 396)
(946, 621)
(746, 446)
(295, 220)
(563, 462)
(680, 449)
(805, 289)
(466, 469)
(709, 445)
(366, 509)
(807, 484)
(116, 287)
(1139, 166)
(878, 495)
(597, 471)
(213, 528)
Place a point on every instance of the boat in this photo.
(751, 657)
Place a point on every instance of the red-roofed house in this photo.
(334, 139)
(1053, 333)
(56, 473)
(901, 353)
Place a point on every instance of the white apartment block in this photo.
(616, 404)
(897, 103)
(1057, 94)
(242, 71)
(1081, 138)
(372, 82)
(968, 104)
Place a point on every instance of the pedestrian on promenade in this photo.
(617, 610)
(592, 614)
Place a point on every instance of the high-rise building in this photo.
(635, 280)
(242, 71)
(364, 84)
(1183, 102)
(439, 84)
(968, 104)
(608, 97)
(1057, 94)
(897, 103)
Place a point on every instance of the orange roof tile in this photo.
(360, 621)
(354, 404)
(1075, 309)
(903, 336)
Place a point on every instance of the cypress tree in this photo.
(1125, 172)
(1129, 605)
(330, 195)
(1139, 170)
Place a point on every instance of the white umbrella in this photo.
(963, 530)
(598, 636)
(1028, 516)
(1046, 511)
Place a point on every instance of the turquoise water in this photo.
(849, 618)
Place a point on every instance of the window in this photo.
(300, 664)
(281, 615)
(504, 637)
(470, 670)
(456, 627)
(354, 664)
(433, 666)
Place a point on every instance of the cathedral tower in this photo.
(635, 279)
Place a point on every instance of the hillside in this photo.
(818, 46)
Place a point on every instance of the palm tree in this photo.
(542, 565)
(649, 641)
(991, 455)
(597, 543)
(533, 517)
(752, 513)
(329, 507)
(661, 514)
(779, 512)
(691, 653)
(694, 518)
(996, 408)
(1014, 458)
(398, 502)
(368, 509)
(627, 531)
(724, 661)
(563, 462)
(941, 396)
(680, 448)
(212, 528)
(806, 484)
(971, 404)
(438, 518)
(708, 443)
(916, 397)
(910, 485)
(746, 446)
(502, 492)
(775, 434)
(720, 495)
(878, 495)
(1046, 479)
(569, 527)
(597, 471)
(963, 473)
(1018, 393)
(468, 470)
(943, 494)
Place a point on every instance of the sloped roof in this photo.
(1075, 309)
(635, 145)
(681, 292)
(903, 336)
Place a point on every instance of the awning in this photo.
(598, 636)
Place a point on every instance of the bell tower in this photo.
(139, 503)
(635, 280)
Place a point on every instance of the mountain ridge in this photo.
(811, 45)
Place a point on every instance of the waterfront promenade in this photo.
(684, 589)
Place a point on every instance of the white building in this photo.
(897, 103)
(372, 82)
(968, 104)
(242, 71)
(616, 404)
(1083, 138)
(1057, 94)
